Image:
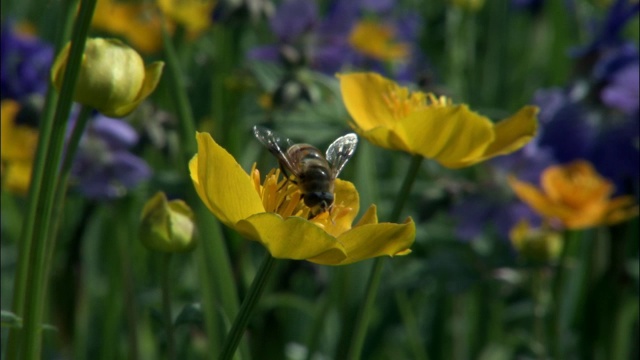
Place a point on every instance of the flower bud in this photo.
(167, 226)
(112, 79)
(536, 245)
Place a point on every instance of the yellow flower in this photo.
(18, 145)
(576, 195)
(393, 117)
(113, 78)
(537, 245)
(140, 23)
(377, 41)
(194, 15)
(273, 214)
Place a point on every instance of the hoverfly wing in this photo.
(277, 145)
(340, 151)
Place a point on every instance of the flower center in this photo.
(282, 196)
(377, 41)
(279, 195)
(402, 102)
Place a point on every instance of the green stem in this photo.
(166, 305)
(22, 271)
(63, 179)
(362, 321)
(246, 310)
(537, 286)
(405, 189)
(558, 282)
(216, 274)
(316, 328)
(411, 325)
(43, 207)
(185, 113)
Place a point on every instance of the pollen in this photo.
(278, 194)
(402, 102)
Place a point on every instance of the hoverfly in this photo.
(313, 172)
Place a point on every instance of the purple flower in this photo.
(24, 64)
(323, 41)
(104, 168)
(607, 32)
(293, 19)
(623, 91)
(481, 212)
(565, 131)
(616, 156)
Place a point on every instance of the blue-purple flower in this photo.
(25, 61)
(329, 42)
(104, 167)
(623, 90)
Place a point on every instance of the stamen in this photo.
(403, 102)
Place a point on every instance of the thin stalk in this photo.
(63, 179)
(127, 226)
(213, 255)
(246, 310)
(558, 282)
(362, 321)
(411, 325)
(316, 328)
(185, 113)
(537, 288)
(24, 246)
(166, 305)
(43, 207)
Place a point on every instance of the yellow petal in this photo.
(152, 74)
(17, 176)
(347, 201)
(195, 15)
(513, 133)
(17, 142)
(362, 95)
(138, 22)
(369, 217)
(384, 137)
(539, 201)
(620, 209)
(222, 184)
(372, 240)
(291, 238)
(452, 135)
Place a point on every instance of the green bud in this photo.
(112, 79)
(167, 226)
(536, 245)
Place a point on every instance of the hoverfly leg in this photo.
(287, 176)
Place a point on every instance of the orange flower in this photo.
(576, 195)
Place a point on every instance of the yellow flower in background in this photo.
(377, 41)
(18, 146)
(395, 118)
(113, 79)
(139, 23)
(576, 195)
(194, 15)
(272, 213)
(537, 245)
